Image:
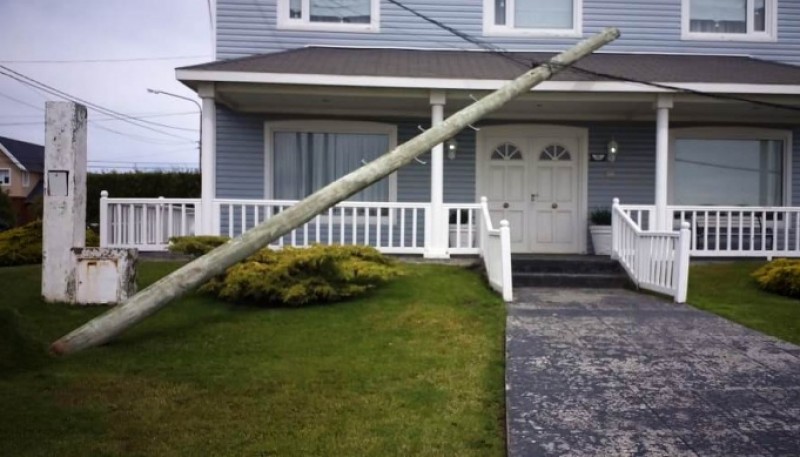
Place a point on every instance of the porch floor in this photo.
(614, 372)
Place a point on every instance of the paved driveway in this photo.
(592, 373)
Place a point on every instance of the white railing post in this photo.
(505, 260)
(614, 229)
(104, 222)
(682, 263)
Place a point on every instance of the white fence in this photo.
(145, 223)
(736, 231)
(391, 227)
(657, 261)
(496, 253)
(463, 234)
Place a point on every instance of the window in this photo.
(26, 179)
(745, 20)
(332, 15)
(532, 17)
(304, 157)
(729, 170)
(5, 177)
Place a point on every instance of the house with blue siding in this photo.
(691, 116)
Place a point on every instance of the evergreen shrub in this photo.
(781, 276)
(23, 245)
(195, 245)
(303, 276)
(7, 216)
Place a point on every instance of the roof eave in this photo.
(12, 158)
(192, 77)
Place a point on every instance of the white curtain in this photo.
(305, 162)
(543, 14)
(352, 11)
(718, 16)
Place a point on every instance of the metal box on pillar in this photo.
(70, 272)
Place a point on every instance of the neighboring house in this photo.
(21, 168)
(304, 91)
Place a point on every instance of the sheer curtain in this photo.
(718, 16)
(351, 11)
(304, 162)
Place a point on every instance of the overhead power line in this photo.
(527, 64)
(131, 59)
(28, 81)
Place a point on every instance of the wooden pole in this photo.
(192, 275)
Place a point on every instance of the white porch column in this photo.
(663, 105)
(208, 159)
(436, 240)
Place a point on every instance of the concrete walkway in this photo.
(596, 373)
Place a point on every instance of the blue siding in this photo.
(247, 27)
(240, 155)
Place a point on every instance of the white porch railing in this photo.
(391, 227)
(657, 261)
(496, 253)
(145, 223)
(736, 231)
(464, 219)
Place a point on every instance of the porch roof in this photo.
(386, 67)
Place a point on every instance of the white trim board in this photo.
(12, 158)
(475, 84)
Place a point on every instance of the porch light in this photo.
(613, 149)
(452, 146)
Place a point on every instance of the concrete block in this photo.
(104, 276)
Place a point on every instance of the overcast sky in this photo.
(73, 30)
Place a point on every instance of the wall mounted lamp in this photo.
(613, 150)
(452, 147)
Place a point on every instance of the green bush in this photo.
(303, 276)
(23, 245)
(140, 184)
(780, 276)
(600, 216)
(195, 245)
(7, 216)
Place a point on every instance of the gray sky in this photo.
(106, 29)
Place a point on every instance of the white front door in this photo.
(508, 189)
(555, 195)
(531, 177)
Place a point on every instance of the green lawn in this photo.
(726, 289)
(416, 368)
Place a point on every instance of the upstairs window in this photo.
(5, 177)
(532, 17)
(329, 15)
(726, 20)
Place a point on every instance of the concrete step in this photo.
(572, 280)
(570, 265)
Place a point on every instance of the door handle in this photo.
(554, 206)
(533, 197)
(505, 205)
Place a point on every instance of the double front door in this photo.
(532, 181)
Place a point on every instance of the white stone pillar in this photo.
(64, 218)
(663, 104)
(208, 159)
(436, 240)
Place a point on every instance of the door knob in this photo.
(554, 205)
(533, 197)
(505, 205)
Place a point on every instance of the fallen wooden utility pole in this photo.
(197, 272)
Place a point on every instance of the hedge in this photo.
(781, 276)
(7, 216)
(23, 245)
(140, 184)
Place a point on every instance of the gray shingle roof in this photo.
(30, 155)
(488, 66)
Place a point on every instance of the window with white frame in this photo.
(26, 179)
(332, 15)
(729, 19)
(5, 177)
(532, 17)
(732, 169)
(303, 157)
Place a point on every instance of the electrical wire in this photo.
(64, 95)
(527, 64)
